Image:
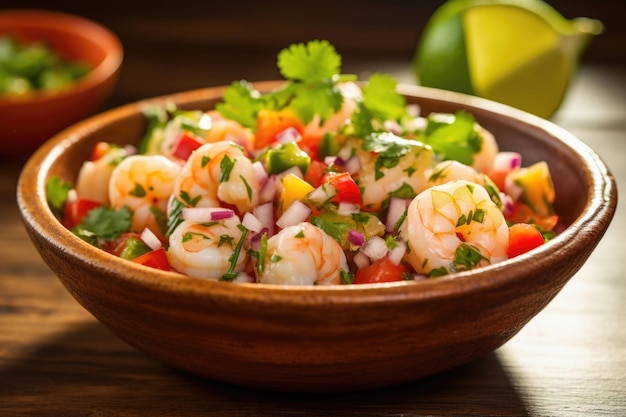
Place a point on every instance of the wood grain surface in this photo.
(57, 360)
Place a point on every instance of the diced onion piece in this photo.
(397, 207)
(507, 204)
(512, 189)
(361, 260)
(251, 223)
(291, 170)
(269, 192)
(265, 214)
(506, 161)
(353, 165)
(346, 209)
(297, 212)
(260, 172)
(206, 214)
(356, 238)
(149, 238)
(322, 194)
(392, 126)
(396, 254)
(72, 195)
(222, 214)
(375, 248)
(290, 134)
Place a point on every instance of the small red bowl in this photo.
(27, 122)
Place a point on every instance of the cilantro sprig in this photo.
(312, 73)
(104, 224)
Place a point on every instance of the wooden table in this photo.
(57, 360)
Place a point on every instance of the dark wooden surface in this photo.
(57, 360)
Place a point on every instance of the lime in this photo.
(519, 52)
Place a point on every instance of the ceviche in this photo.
(324, 180)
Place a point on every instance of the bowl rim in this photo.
(592, 221)
(70, 23)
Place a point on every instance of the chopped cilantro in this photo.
(103, 223)
(56, 193)
(454, 139)
(226, 166)
(466, 257)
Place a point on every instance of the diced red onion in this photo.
(265, 214)
(251, 223)
(255, 240)
(334, 160)
(290, 134)
(260, 172)
(375, 248)
(506, 161)
(361, 260)
(512, 189)
(396, 209)
(507, 204)
(297, 212)
(356, 238)
(130, 150)
(222, 214)
(149, 238)
(292, 170)
(269, 192)
(206, 214)
(322, 193)
(353, 165)
(346, 209)
(396, 254)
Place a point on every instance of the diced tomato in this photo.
(315, 173)
(74, 211)
(185, 145)
(154, 259)
(382, 270)
(522, 238)
(117, 245)
(347, 189)
(272, 122)
(99, 150)
(498, 178)
(524, 214)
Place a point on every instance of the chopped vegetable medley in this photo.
(321, 181)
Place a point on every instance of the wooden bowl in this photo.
(27, 122)
(323, 338)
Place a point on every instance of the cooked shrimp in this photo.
(448, 171)
(302, 254)
(222, 129)
(454, 227)
(93, 178)
(205, 250)
(379, 180)
(483, 160)
(144, 183)
(218, 173)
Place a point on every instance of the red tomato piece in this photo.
(75, 211)
(315, 173)
(185, 145)
(522, 238)
(347, 189)
(154, 259)
(99, 150)
(383, 270)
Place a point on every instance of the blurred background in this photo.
(175, 46)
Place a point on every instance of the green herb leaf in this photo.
(104, 223)
(312, 62)
(56, 194)
(454, 139)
